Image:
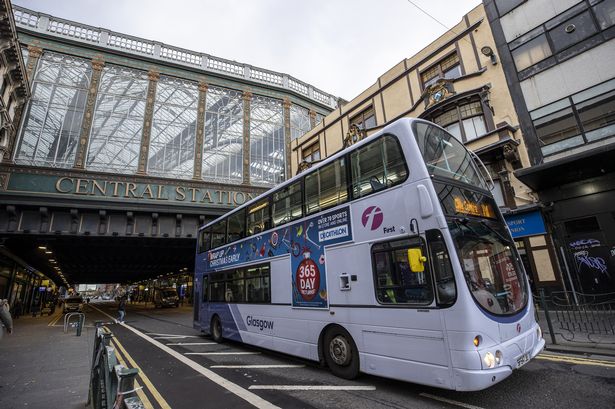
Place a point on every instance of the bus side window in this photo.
(287, 204)
(326, 187)
(376, 166)
(236, 226)
(205, 288)
(446, 291)
(259, 218)
(218, 234)
(204, 240)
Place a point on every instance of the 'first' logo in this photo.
(372, 217)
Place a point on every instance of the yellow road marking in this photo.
(146, 402)
(54, 320)
(163, 403)
(575, 360)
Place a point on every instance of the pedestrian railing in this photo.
(112, 385)
(579, 317)
(79, 323)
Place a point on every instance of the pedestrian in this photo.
(5, 318)
(17, 308)
(121, 308)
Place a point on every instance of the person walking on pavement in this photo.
(5, 318)
(121, 308)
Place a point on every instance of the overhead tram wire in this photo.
(436, 20)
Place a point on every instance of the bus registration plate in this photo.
(523, 359)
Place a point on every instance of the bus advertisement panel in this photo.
(305, 242)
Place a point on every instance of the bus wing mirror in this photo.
(417, 260)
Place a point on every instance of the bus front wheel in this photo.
(341, 354)
(216, 329)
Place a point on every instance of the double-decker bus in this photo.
(389, 258)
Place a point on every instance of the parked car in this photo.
(73, 304)
(166, 297)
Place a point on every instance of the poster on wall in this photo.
(305, 241)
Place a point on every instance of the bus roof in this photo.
(313, 168)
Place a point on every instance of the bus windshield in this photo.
(445, 156)
(490, 267)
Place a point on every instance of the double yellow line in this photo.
(55, 320)
(129, 362)
(576, 360)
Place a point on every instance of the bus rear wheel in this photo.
(341, 354)
(216, 329)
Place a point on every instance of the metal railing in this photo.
(578, 317)
(58, 27)
(112, 385)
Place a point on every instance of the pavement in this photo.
(43, 367)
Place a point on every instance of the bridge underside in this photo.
(95, 259)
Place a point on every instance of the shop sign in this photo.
(526, 224)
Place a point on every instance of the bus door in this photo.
(204, 314)
(413, 279)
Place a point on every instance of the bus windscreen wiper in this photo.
(497, 233)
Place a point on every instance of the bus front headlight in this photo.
(489, 360)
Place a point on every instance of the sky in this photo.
(338, 46)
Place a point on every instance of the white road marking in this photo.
(193, 343)
(178, 337)
(221, 353)
(168, 335)
(313, 387)
(209, 374)
(256, 366)
(449, 401)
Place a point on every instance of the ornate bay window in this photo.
(447, 68)
(171, 151)
(465, 121)
(115, 140)
(51, 130)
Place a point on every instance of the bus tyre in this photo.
(216, 329)
(341, 354)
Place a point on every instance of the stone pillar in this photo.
(287, 138)
(34, 54)
(153, 76)
(312, 118)
(200, 132)
(88, 115)
(247, 99)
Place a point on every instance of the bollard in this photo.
(546, 308)
(79, 326)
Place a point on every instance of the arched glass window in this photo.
(267, 157)
(53, 121)
(223, 141)
(171, 151)
(115, 140)
(466, 122)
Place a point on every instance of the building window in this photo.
(465, 122)
(448, 68)
(299, 121)
(223, 140)
(572, 31)
(531, 52)
(171, 152)
(365, 120)
(267, 146)
(311, 153)
(504, 6)
(582, 118)
(605, 14)
(53, 122)
(115, 140)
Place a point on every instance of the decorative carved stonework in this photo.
(354, 135)
(511, 154)
(438, 92)
(287, 148)
(34, 53)
(153, 76)
(247, 99)
(4, 180)
(88, 116)
(303, 165)
(312, 114)
(200, 130)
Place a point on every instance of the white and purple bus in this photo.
(389, 258)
